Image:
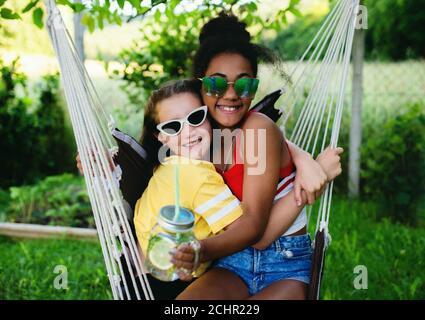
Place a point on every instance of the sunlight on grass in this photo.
(27, 269)
(392, 253)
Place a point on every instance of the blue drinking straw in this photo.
(177, 193)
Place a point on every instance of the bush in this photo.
(393, 166)
(392, 160)
(403, 21)
(4, 203)
(36, 140)
(56, 200)
(55, 142)
(16, 126)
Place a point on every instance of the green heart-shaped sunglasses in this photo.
(217, 86)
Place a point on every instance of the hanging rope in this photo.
(325, 83)
(95, 146)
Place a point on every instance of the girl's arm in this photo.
(262, 158)
(283, 215)
(285, 211)
(310, 175)
(259, 189)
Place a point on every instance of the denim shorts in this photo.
(289, 257)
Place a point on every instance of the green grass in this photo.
(393, 254)
(27, 269)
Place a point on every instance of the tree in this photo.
(396, 29)
(96, 13)
(33, 130)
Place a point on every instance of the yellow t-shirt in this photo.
(202, 191)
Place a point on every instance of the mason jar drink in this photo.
(166, 235)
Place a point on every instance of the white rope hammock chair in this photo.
(315, 92)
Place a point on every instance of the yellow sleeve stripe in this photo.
(223, 212)
(211, 203)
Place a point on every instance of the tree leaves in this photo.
(394, 170)
(78, 7)
(294, 3)
(6, 13)
(135, 3)
(88, 21)
(121, 3)
(101, 11)
(30, 5)
(37, 17)
(295, 12)
(64, 2)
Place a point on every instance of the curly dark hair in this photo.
(226, 34)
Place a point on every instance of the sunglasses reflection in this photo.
(217, 86)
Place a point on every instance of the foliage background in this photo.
(33, 130)
(393, 31)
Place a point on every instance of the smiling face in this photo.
(228, 110)
(191, 142)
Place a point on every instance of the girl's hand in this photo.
(185, 260)
(79, 165)
(330, 161)
(310, 177)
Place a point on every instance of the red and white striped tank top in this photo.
(234, 180)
